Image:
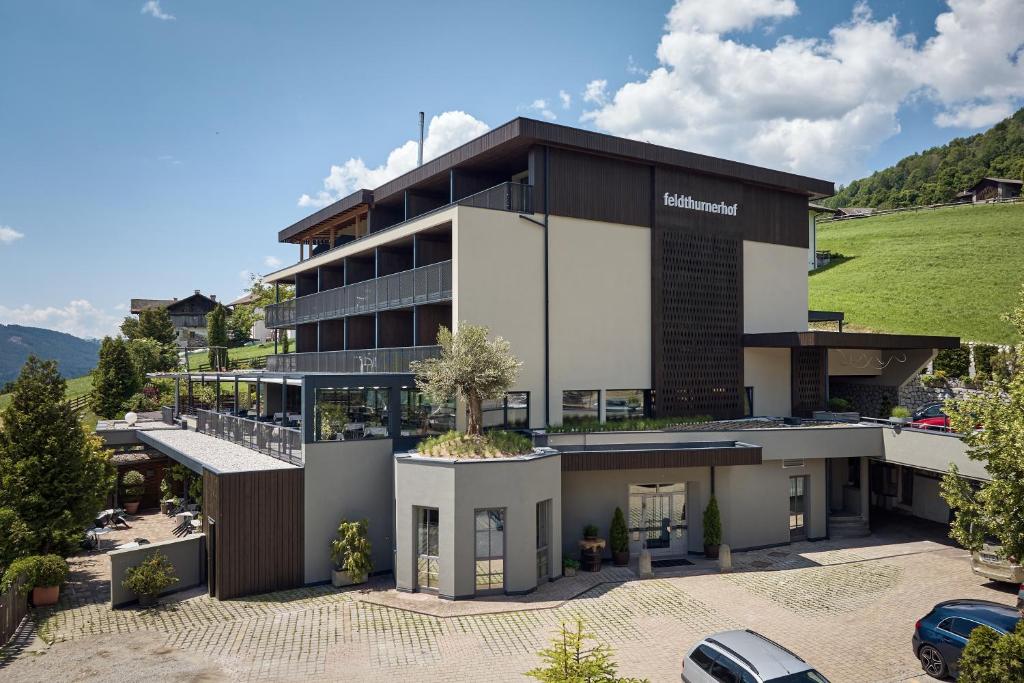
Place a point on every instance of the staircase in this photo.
(846, 525)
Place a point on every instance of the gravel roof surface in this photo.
(217, 455)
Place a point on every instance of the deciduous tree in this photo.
(990, 657)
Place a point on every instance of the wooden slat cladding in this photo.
(259, 530)
(582, 461)
(599, 188)
(808, 371)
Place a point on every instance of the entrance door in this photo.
(490, 550)
(657, 519)
(798, 508)
(427, 569)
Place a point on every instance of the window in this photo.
(420, 418)
(490, 550)
(427, 548)
(797, 508)
(543, 540)
(351, 413)
(960, 626)
(510, 412)
(625, 404)
(580, 405)
(748, 401)
(703, 657)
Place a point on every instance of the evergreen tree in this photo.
(115, 378)
(217, 336)
(155, 324)
(54, 476)
(571, 660)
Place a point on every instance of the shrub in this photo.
(712, 523)
(1003, 365)
(955, 363)
(350, 551)
(134, 484)
(570, 659)
(151, 577)
(590, 530)
(36, 571)
(936, 380)
(618, 532)
(570, 563)
(644, 424)
(839, 405)
(900, 412)
(491, 444)
(983, 355)
(990, 657)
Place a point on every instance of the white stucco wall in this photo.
(768, 371)
(774, 288)
(855, 362)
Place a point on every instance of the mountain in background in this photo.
(75, 357)
(936, 175)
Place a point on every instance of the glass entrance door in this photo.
(798, 508)
(490, 550)
(657, 519)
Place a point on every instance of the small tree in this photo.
(618, 532)
(712, 523)
(151, 577)
(217, 336)
(149, 355)
(994, 509)
(351, 549)
(570, 659)
(114, 380)
(990, 657)
(17, 540)
(240, 322)
(471, 367)
(54, 476)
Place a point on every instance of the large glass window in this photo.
(427, 548)
(797, 508)
(624, 404)
(544, 540)
(351, 413)
(580, 405)
(490, 549)
(420, 418)
(510, 412)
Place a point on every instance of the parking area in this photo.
(848, 607)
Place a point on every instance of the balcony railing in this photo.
(356, 361)
(270, 439)
(504, 197)
(423, 285)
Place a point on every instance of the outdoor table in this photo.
(182, 516)
(590, 554)
(96, 533)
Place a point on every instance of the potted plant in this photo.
(569, 566)
(42, 574)
(150, 578)
(900, 416)
(712, 529)
(134, 486)
(590, 532)
(618, 538)
(350, 552)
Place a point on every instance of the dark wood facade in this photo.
(660, 458)
(809, 379)
(255, 531)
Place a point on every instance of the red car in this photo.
(931, 416)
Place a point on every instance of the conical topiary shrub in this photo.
(618, 537)
(712, 529)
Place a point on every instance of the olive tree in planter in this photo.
(41, 574)
(134, 485)
(150, 578)
(712, 529)
(618, 538)
(350, 552)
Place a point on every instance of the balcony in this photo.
(393, 360)
(270, 439)
(427, 284)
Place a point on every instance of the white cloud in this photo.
(152, 8)
(272, 262)
(446, 132)
(596, 92)
(245, 275)
(169, 159)
(540, 106)
(813, 106)
(565, 98)
(8, 235)
(79, 318)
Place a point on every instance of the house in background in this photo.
(259, 331)
(991, 188)
(188, 315)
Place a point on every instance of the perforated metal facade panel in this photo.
(808, 391)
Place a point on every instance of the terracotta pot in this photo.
(131, 507)
(620, 559)
(45, 595)
(711, 552)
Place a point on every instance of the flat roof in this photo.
(521, 133)
(200, 451)
(848, 340)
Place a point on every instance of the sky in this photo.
(152, 147)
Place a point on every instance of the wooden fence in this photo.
(13, 608)
(79, 403)
(924, 207)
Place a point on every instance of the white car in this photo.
(745, 657)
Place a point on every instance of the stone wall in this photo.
(867, 399)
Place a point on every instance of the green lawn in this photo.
(952, 271)
(77, 386)
(197, 358)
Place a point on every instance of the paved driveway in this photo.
(848, 607)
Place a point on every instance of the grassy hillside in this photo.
(951, 271)
(77, 386)
(74, 356)
(197, 358)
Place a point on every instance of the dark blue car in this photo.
(940, 637)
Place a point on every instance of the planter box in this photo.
(568, 571)
(43, 596)
(342, 578)
(900, 421)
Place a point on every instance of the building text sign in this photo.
(682, 201)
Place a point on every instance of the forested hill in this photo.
(74, 356)
(936, 175)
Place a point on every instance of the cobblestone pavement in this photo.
(848, 607)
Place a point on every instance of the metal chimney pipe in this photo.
(419, 156)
